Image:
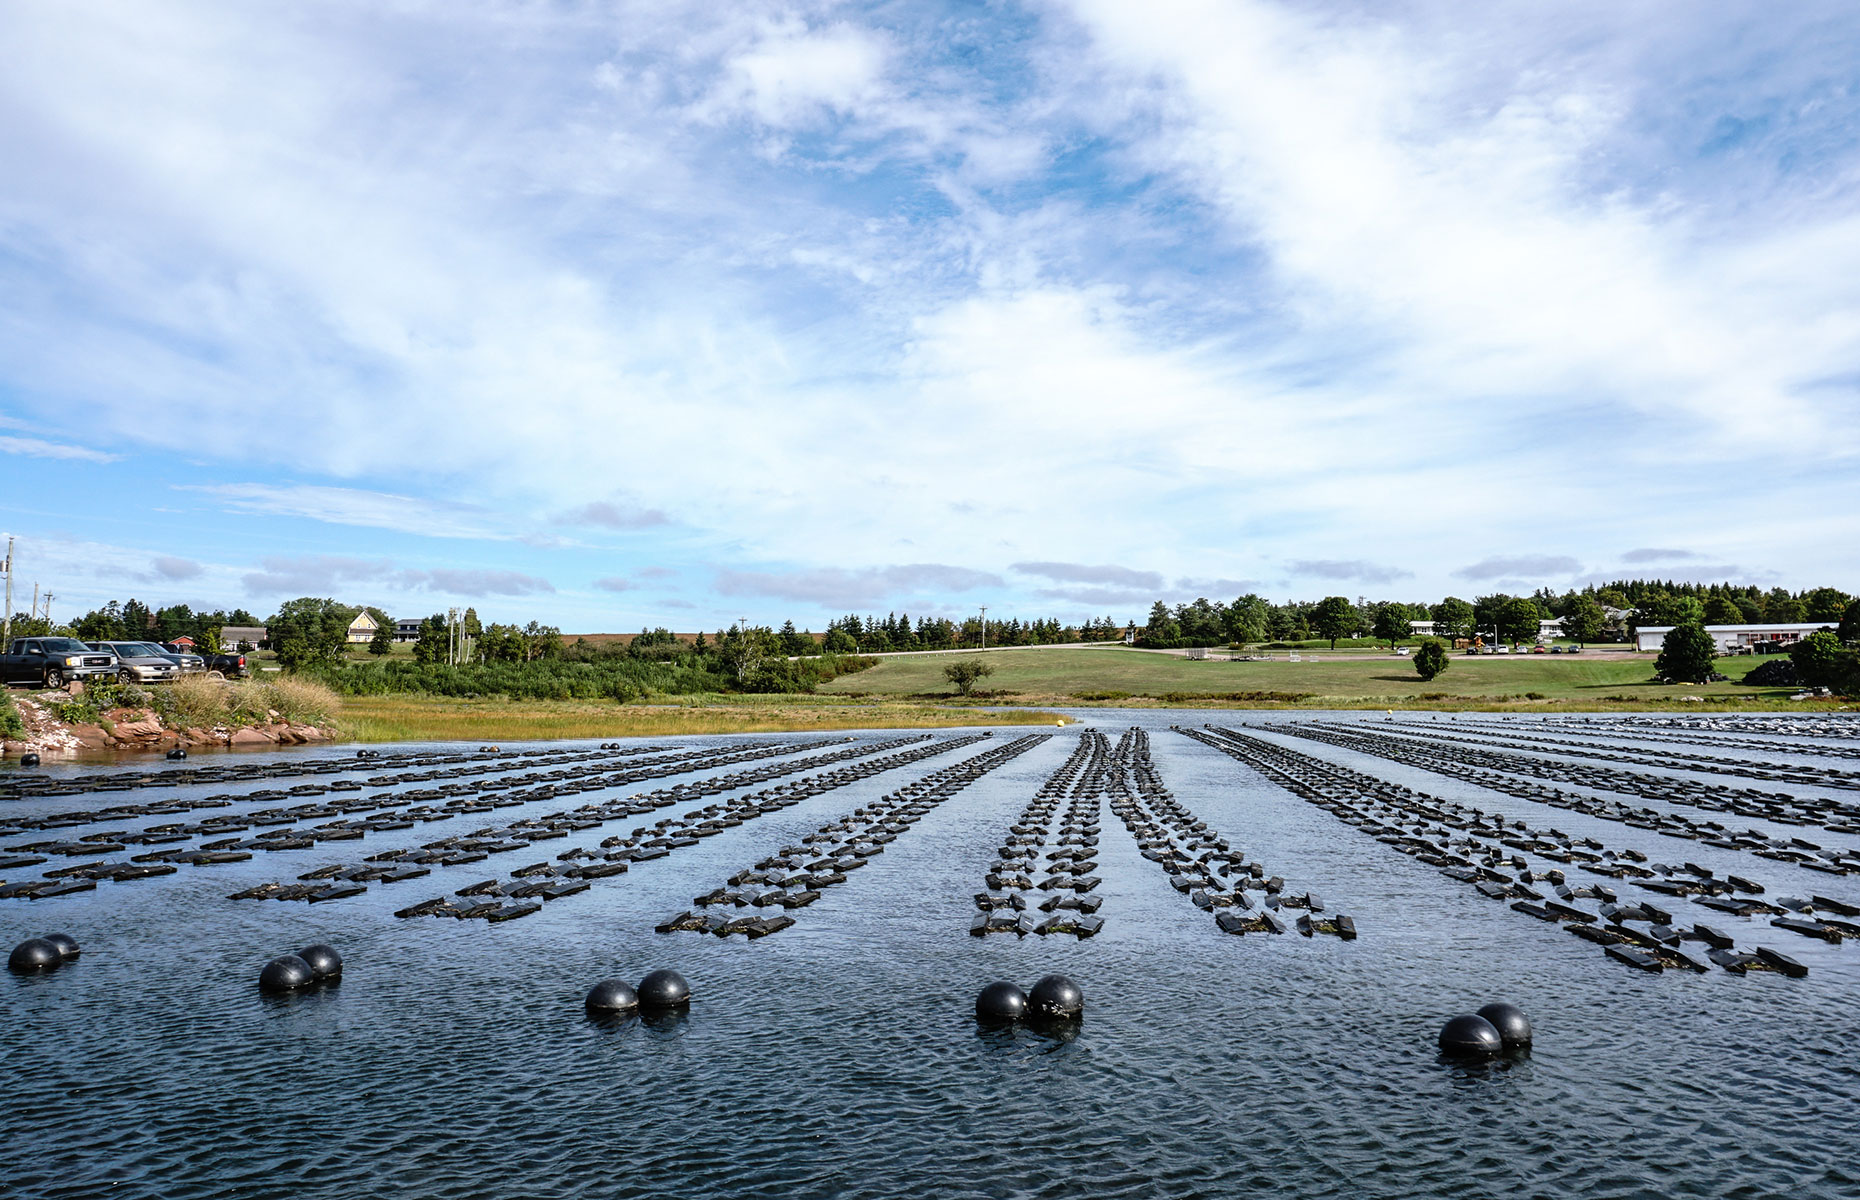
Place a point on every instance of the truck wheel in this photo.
(54, 677)
(126, 676)
(217, 676)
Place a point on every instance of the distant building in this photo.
(185, 642)
(1734, 638)
(363, 627)
(1553, 628)
(232, 636)
(407, 629)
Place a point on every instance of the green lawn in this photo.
(1098, 675)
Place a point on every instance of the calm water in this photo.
(840, 1057)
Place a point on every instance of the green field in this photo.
(1118, 676)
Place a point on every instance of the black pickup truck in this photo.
(53, 662)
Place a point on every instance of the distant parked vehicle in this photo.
(190, 661)
(1556, 649)
(1540, 648)
(140, 662)
(53, 662)
(226, 666)
(1402, 652)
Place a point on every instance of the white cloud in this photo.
(353, 506)
(791, 74)
(39, 448)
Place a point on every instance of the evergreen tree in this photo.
(1431, 659)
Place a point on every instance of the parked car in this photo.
(1402, 652)
(1540, 648)
(140, 662)
(53, 662)
(190, 662)
(227, 666)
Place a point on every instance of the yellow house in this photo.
(363, 627)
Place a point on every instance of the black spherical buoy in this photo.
(67, 945)
(1470, 1036)
(35, 954)
(286, 973)
(29, 759)
(663, 989)
(612, 996)
(1000, 1004)
(1514, 1028)
(176, 754)
(323, 960)
(1055, 996)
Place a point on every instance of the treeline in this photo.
(895, 632)
(1591, 614)
(133, 621)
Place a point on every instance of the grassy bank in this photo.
(1120, 677)
(430, 718)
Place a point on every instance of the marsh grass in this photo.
(428, 718)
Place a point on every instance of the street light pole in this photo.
(984, 627)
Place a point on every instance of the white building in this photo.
(1733, 639)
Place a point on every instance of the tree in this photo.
(1431, 659)
(1162, 629)
(209, 640)
(839, 642)
(1687, 653)
(431, 645)
(1453, 618)
(1392, 623)
(383, 640)
(1850, 624)
(1819, 659)
(307, 631)
(1722, 610)
(1518, 620)
(1780, 608)
(1824, 604)
(965, 672)
(1583, 620)
(1247, 619)
(1333, 618)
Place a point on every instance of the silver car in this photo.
(140, 662)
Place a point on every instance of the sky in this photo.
(612, 315)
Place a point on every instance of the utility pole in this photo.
(6, 614)
(984, 627)
(48, 606)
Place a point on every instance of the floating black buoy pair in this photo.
(308, 967)
(29, 759)
(1495, 1029)
(1055, 997)
(659, 990)
(176, 754)
(46, 953)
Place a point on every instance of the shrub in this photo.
(295, 699)
(11, 725)
(1431, 659)
(195, 702)
(1686, 654)
(1778, 672)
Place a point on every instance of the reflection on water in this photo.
(841, 1057)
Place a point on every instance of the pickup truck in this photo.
(53, 662)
